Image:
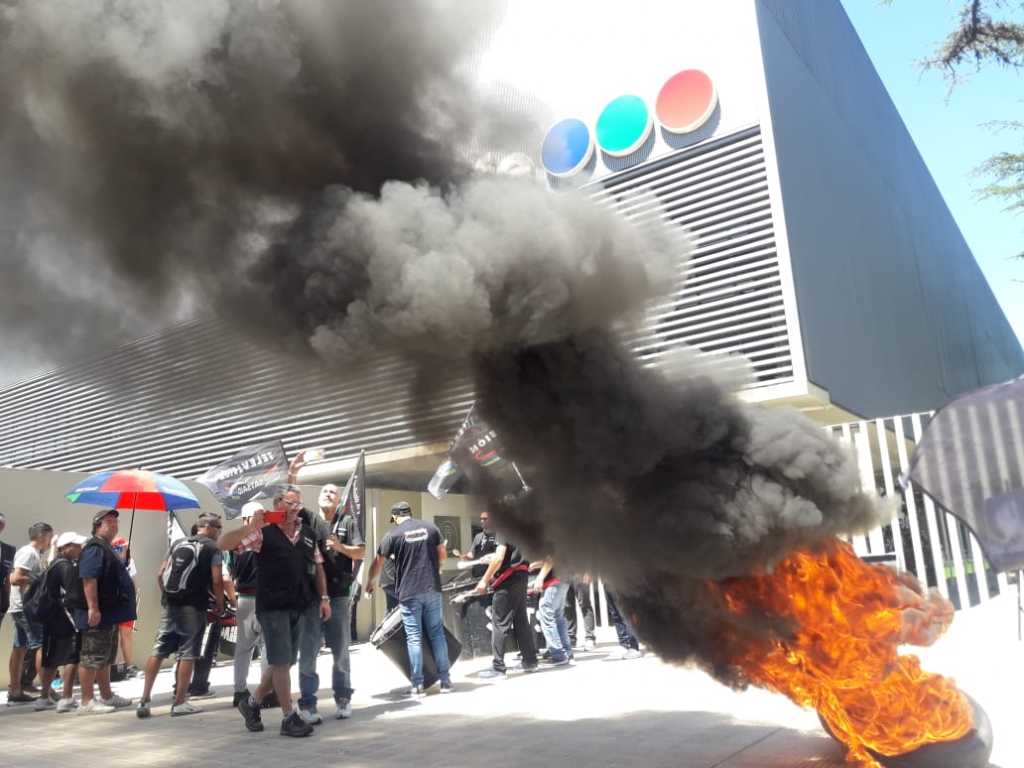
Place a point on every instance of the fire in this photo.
(843, 620)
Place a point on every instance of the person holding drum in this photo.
(418, 551)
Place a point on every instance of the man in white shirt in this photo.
(28, 636)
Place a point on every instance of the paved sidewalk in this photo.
(597, 713)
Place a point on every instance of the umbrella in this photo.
(133, 489)
(970, 460)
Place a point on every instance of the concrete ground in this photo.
(599, 712)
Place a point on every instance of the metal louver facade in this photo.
(183, 400)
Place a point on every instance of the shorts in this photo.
(27, 634)
(280, 635)
(59, 650)
(181, 629)
(98, 647)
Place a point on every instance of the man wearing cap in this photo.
(184, 614)
(28, 636)
(341, 545)
(106, 598)
(60, 638)
(419, 551)
(291, 582)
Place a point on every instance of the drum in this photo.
(389, 638)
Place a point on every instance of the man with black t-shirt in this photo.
(484, 543)
(291, 583)
(508, 574)
(60, 638)
(418, 551)
(341, 545)
(190, 573)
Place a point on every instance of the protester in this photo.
(484, 543)
(418, 552)
(106, 598)
(579, 591)
(627, 640)
(7, 553)
(551, 611)
(28, 635)
(126, 629)
(291, 578)
(341, 546)
(61, 641)
(507, 575)
(242, 566)
(190, 573)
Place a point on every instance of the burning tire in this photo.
(970, 751)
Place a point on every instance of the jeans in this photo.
(422, 613)
(580, 591)
(551, 611)
(626, 637)
(311, 640)
(249, 636)
(337, 631)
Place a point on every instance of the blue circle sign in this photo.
(567, 147)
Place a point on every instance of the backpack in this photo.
(38, 602)
(182, 580)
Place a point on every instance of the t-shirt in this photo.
(6, 564)
(414, 544)
(513, 557)
(340, 568)
(27, 558)
(90, 566)
(60, 577)
(483, 544)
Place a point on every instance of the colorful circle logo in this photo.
(567, 148)
(623, 126)
(686, 101)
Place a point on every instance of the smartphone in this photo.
(274, 516)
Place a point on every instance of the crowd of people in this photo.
(288, 576)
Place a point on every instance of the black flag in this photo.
(353, 498)
(476, 449)
(971, 462)
(252, 473)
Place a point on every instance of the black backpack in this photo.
(38, 602)
(183, 580)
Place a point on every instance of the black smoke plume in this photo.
(302, 170)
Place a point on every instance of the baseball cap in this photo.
(103, 513)
(401, 509)
(70, 537)
(250, 508)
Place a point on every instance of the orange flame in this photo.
(840, 657)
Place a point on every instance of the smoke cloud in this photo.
(302, 169)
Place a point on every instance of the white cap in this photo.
(70, 537)
(250, 508)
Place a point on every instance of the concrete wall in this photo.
(895, 313)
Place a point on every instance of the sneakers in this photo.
(310, 717)
(117, 702)
(529, 668)
(43, 704)
(589, 645)
(294, 725)
(343, 710)
(417, 692)
(250, 712)
(632, 653)
(66, 705)
(209, 693)
(240, 696)
(557, 661)
(19, 698)
(142, 711)
(94, 707)
(447, 687)
(493, 674)
(29, 689)
(185, 708)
